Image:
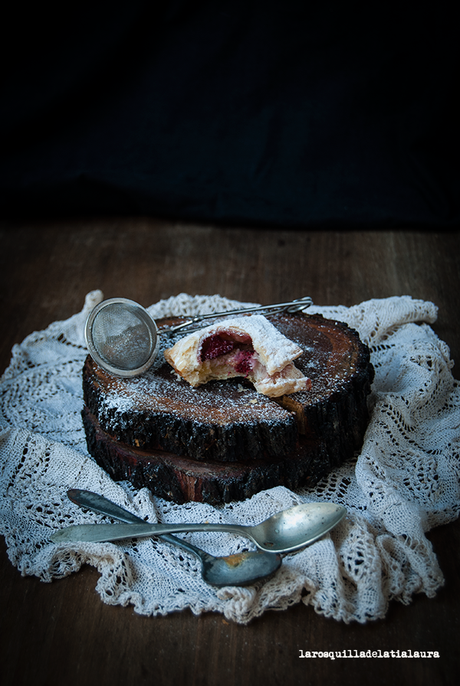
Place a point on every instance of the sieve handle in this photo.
(292, 306)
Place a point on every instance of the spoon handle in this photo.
(98, 503)
(98, 533)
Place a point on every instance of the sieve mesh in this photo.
(121, 337)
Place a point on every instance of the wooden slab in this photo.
(224, 441)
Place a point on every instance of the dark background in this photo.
(277, 113)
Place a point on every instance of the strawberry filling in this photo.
(234, 349)
(243, 362)
(215, 346)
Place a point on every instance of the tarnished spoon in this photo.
(240, 569)
(284, 532)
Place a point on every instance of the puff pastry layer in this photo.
(248, 346)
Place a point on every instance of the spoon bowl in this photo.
(240, 569)
(283, 532)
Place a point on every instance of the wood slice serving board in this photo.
(224, 441)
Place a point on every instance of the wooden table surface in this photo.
(62, 633)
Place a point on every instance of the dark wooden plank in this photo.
(46, 270)
(61, 632)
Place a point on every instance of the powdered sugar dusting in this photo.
(163, 391)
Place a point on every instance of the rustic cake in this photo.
(223, 440)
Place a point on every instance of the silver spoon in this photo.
(239, 569)
(282, 533)
(123, 339)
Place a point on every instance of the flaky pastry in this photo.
(248, 346)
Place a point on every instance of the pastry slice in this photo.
(248, 346)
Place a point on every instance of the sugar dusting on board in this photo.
(162, 391)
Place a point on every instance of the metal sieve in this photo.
(123, 339)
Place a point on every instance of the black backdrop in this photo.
(288, 113)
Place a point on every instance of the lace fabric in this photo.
(404, 482)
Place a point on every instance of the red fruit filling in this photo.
(243, 362)
(221, 344)
(215, 346)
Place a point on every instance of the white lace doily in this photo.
(404, 482)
